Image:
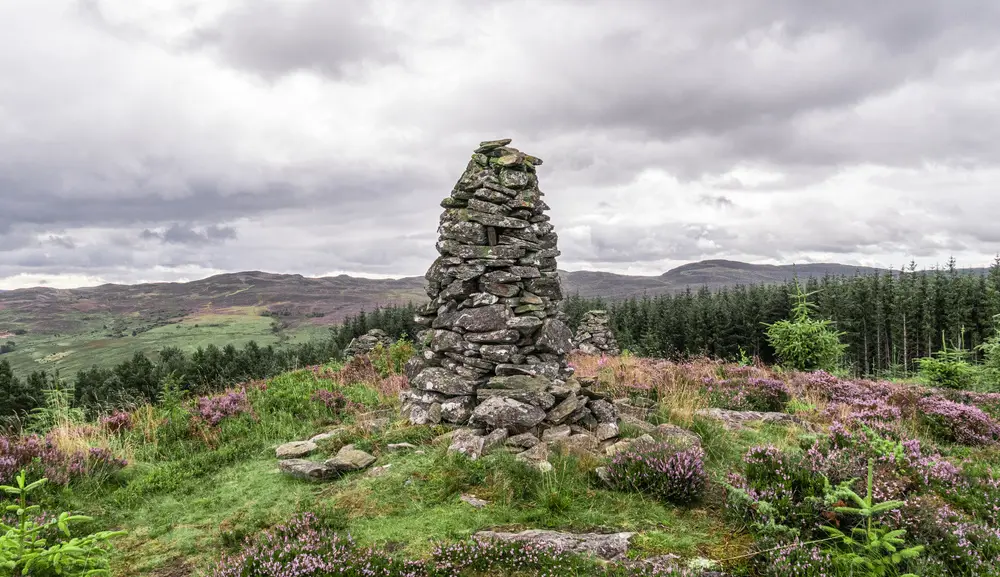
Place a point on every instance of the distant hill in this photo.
(71, 329)
(714, 274)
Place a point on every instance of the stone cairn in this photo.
(494, 353)
(367, 342)
(594, 336)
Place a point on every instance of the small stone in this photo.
(604, 474)
(378, 471)
(295, 449)
(327, 436)
(474, 501)
(556, 433)
(539, 452)
(605, 431)
(303, 469)
(400, 446)
(349, 459)
(467, 443)
(563, 409)
(523, 441)
(489, 145)
(604, 411)
(498, 412)
(457, 409)
(443, 381)
(501, 336)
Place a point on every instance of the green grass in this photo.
(186, 501)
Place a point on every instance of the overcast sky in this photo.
(170, 140)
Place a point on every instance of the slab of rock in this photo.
(349, 459)
(476, 502)
(555, 433)
(678, 436)
(440, 380)
(400, 446)
(467, 442)
(522, 441)
(295, 449)
(612, 546)
(605, 431)
(603, 411)
(734, 420)
(378, 471)
(515, 416)
(327, 436)
(303, 469)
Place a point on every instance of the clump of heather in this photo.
(214, 409)
(335, 402)
(955, 543)
(304, 548)
(517, 558)
(660, 470)
(957, 422)
(796, 559)
(747, 393)
(117, 422)
(43, 458)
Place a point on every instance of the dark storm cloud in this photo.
(273, 38)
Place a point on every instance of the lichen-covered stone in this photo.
(494, 352)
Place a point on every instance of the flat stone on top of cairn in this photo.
(494, 351)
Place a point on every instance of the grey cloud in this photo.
(185, 234)
(718, 201)
(274, 38)
(63, 241)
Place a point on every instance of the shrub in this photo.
(957, 422)
(46, 548)
(803, 343)
(117, 422)
(60, 467)
(947, 368)
(212, 410)
(660, 470)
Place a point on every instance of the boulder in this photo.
(611, 546)
(303, 469)
(295, 449)
(499, 412)
(349, 459)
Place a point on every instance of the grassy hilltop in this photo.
(190, 481)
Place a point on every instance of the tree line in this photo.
(207, 369)
(889, 320)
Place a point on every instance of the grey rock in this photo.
(563, 410)
(441, 380)
(457, 409)
(501, 336)
(554, 337)
(515, 416)
(483, 319)
(349, 459)
(379, 471)
(735, 420)
(523, 441)
(677, 436)
(556, 433)
(613, 546)
(400, 446)
(539, 452)
(604, 411)
(303, 469)
(468, 443)
(476, 502)
(605, 431)
(540, 399)
(295, 449)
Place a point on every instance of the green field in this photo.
(93, 345)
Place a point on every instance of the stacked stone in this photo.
(367, 342)
(594, 336)
(496, 343)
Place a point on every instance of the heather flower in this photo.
(958, 422)
(117, 421)
(660, 470)
(214, 409)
